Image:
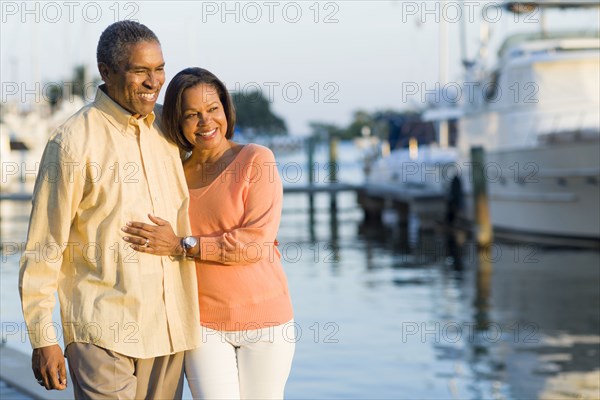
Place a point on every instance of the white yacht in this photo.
(537, 115)
(24, 131)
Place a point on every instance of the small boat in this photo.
(24, 131)
(411, 169)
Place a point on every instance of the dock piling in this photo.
(310, 149)
(483, 224)
(333, 167)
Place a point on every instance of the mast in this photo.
(443, 75)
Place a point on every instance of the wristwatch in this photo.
(188, 243)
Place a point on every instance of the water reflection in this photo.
(384, 312)
(484, 282)
(417, 317)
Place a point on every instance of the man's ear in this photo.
(105, 72)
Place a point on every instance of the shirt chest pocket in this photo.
(171, 193)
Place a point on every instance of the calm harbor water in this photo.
(385, 315)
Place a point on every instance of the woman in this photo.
(235, 208)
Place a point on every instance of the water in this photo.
(406, 323)
(385, 315)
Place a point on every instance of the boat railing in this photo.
(564, 126)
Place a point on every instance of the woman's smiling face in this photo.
(204, 123)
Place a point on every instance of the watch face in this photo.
(190, 241)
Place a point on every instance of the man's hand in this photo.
(48, 364)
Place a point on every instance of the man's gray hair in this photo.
(112, 46)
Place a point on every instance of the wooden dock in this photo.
(372, 198)
(296, 189)
(429, 205)
(313, 189)
(400, 193)
(306, 189)
(21, 196)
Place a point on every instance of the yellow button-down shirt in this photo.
(101, 169)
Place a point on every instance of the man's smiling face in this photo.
(136, 82)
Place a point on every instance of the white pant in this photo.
(248, 364)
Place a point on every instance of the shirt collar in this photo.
(117, 114)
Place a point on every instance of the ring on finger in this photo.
(147, 244)
(41, 382)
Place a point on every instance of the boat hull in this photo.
(551, 190)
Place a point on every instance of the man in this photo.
(127, 317)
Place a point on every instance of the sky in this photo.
(315, 61)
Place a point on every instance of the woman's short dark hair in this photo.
(172, 108)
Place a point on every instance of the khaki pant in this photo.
(97, 373)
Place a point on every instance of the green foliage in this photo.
(54, 94)
(77, 85)
(323, 131)
(78, 81)
(253, 113)
(362, 120)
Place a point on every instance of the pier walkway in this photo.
(17, 381)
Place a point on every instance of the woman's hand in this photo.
(159, 239)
